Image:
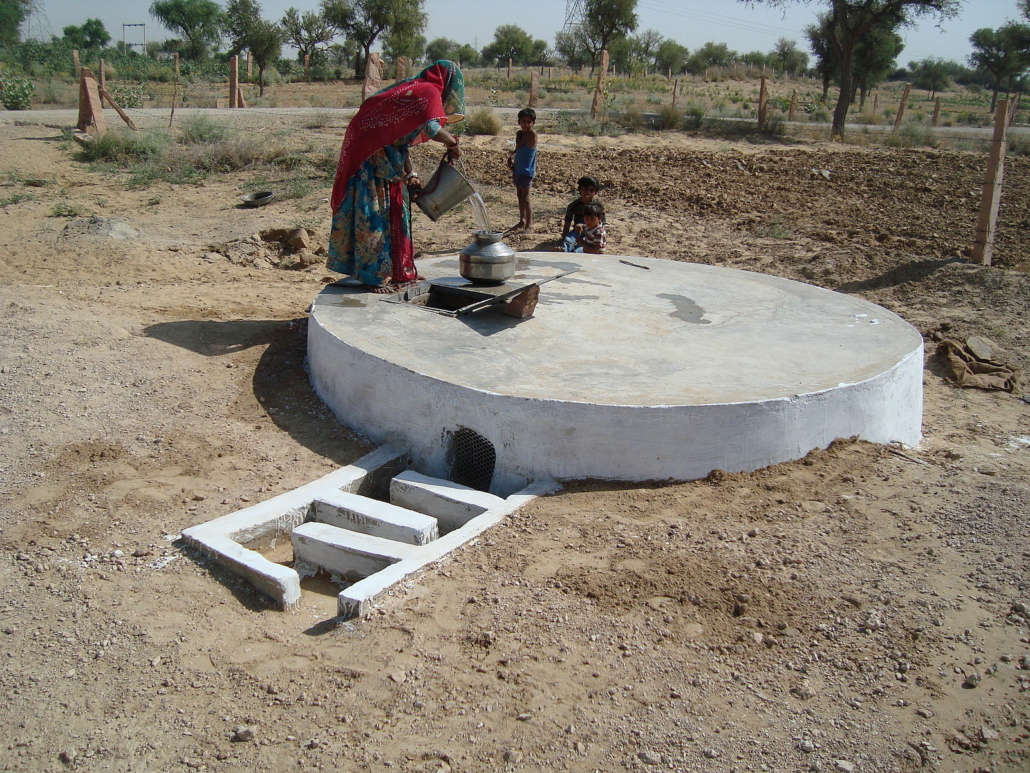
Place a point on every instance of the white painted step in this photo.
(379, 519)
(343, 552)
(451, 504)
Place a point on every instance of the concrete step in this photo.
(451, 504)
(379, 519)
(343, 552)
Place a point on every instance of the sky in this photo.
(691, 23)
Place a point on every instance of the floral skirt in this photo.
(371, 234)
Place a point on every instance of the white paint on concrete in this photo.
(623, 373)
(224, 538)
(380, 519)
(343, 553)
(452, 504)
(386, 562)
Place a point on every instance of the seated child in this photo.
(590, 234)
(574, 212)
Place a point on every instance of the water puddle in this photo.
(686, 309)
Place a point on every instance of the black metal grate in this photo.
(473, 459)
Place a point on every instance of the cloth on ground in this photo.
(965, 369)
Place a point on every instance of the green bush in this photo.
(483, 121)
(632, 118)
(202, 130)
(130, 96)
(694, 116)
(122, 146)
(669, 117)
(15, 92)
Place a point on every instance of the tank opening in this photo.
(472, 459)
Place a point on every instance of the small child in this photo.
(590, 234)
(574, 212)
(522, 162)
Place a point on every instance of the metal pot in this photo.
(446, 189)
(488, 260)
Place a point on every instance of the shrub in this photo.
(483, 121)
(669, 117)
(15, 92)
(123, 146)
(202, 131)
(130, 96)
(633, 118)
(694, 116)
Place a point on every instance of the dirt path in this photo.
(862, 609)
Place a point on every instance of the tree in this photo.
(265, 42)
(466, 55)
(875, 55)
(13, 14)
(787, 57)
(850, 20)
(710, 55)
(440, 48)
(510, 42)
(306, 31)
(671, 57)
(605, 20)
(199, 22)
(642, 49)
(573, 47)
(1001, 53)
(365, 21)
(406, 44)
(239, 20)
(91, 36)
(930, 74)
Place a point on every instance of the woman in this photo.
(371, 234)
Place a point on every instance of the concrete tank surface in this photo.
(631, 369)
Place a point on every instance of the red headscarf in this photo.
(385, 117)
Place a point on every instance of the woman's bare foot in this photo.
(386, 288)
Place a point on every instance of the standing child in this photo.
(574, 212)
(590, 234)
(522, 162)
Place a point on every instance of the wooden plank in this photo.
(117, 108)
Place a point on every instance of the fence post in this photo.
(990, 200)
(763, 105)
(75, 63)
(793, 106)
(602, 71)
(234, 80)
(937, 111)
(307, 67)
(402, 68)
(250, 66)
(1013, 109)
(101, 78)
(373, 76)
(509, 67)
(534, 89)
(876, 101)
(675, 91)
(901, 106)
(176, 60)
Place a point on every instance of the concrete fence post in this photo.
(793, 106)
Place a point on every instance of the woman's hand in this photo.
(451, 141)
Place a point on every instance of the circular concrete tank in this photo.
(631, 369)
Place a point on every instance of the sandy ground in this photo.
(862, 609)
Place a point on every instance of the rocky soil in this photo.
(862, 609)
